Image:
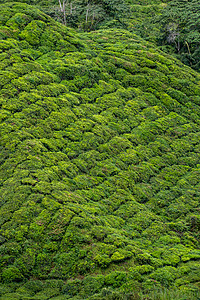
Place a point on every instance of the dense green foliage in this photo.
(99, 176)
(86, 15)
(141, 19)
(95, 14)
(181, 27)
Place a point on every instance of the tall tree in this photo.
(89, 13)
(181, 27)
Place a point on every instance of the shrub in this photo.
(12, 274)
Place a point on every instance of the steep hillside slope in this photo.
(100, 152)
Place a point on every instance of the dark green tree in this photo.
(91, 13)
(180, 23)
(86, 14)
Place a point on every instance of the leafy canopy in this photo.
(180, 22)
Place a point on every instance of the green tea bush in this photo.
(99, 176)
(11, 274)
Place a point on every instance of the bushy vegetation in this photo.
(85, 15)
(180, 27)
(99, 176)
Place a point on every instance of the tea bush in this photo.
(99, 176)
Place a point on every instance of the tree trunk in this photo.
(87, 12)
(60, 4)
(63, 10)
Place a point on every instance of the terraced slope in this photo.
(99, 163)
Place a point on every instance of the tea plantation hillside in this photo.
(100, 164)
(136, 16)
